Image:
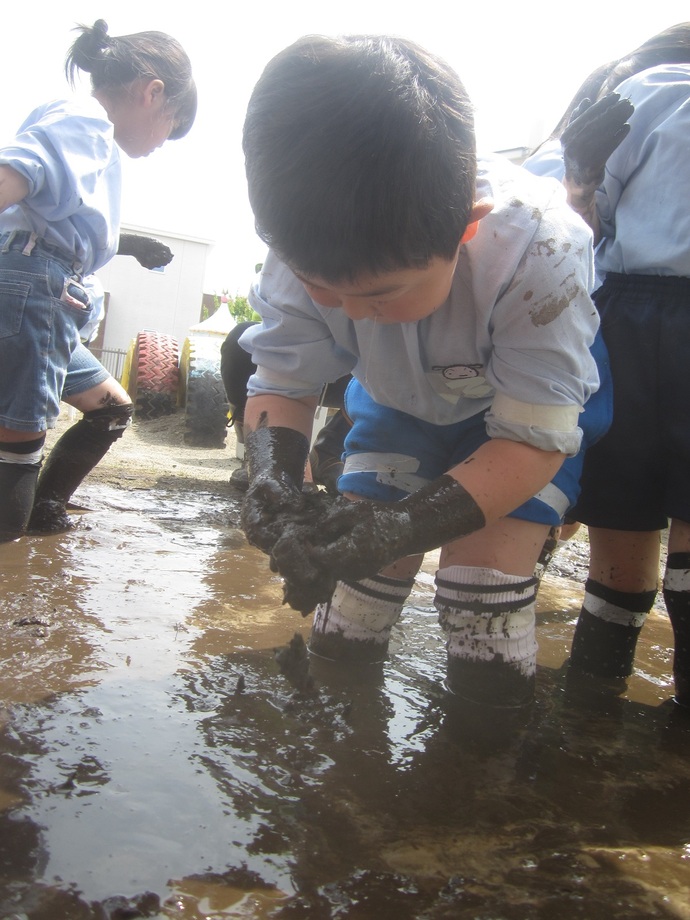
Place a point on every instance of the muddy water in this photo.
(154, 762)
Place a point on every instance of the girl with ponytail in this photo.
(60, 188)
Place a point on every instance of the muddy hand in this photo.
(304, 584)
(272, 507)
(276, 458)
(356, 540)
(154, 254)
(149, 252)
(307, 584)
(594, 132)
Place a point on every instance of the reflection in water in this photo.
(154, 762)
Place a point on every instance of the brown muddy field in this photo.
(155, 763)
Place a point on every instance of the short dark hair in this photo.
(116, 61)
(360, 156)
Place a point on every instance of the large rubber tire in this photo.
(202, 393)
(126, 376)
(152, 375)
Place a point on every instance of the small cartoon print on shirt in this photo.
(460, 381)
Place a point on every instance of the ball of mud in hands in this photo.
(353, 540)
(272, 506)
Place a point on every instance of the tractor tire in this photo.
(152, 375)
(126, 376)
(202, 393)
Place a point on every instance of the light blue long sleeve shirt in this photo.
(643, 202)
(67, 153)
(514, 334)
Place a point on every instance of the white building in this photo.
(166, 300)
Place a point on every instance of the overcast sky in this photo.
(521, 63)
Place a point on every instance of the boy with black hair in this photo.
(456, 293)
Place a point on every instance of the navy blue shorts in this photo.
(389, 454)
(638, 475)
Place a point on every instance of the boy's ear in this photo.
(479, 210)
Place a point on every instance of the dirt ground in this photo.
(153, 454)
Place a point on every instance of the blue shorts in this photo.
(389, 454)
(638, 476)
(42, 308)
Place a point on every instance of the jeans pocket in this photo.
(13, 297)
(73, 298)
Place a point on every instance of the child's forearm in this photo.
(13, 187)
(501, 475)
(280, 412)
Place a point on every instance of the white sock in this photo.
(487, 614)
(364, 611)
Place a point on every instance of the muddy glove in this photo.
(357, 539)
(148, 252)
(594, 132)
(276, 458)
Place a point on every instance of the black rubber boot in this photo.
(72, 458)
(239, 478)
(678, 607)
(17, 490)
(494, 683)
(603, 649)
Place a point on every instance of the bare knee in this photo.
(107, 393)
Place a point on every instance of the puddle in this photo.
(154, 762)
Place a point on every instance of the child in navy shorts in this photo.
(635, 480)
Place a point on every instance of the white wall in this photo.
(167, 301)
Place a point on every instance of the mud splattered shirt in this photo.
(514, 333)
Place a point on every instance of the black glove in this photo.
(148, 252)
(594, 132)
(356, 540)
(276, 458)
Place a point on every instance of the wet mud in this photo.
(162, 754)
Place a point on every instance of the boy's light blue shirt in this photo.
(514, 334)
(67, 152)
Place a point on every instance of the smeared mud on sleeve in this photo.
(549, 308)
(545, 247)
(536, 213)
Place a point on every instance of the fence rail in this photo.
(112, 359)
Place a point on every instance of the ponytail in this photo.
(116, 61)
